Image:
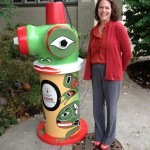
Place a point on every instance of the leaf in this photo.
(3, 114)
(6, 123)
(147, 38)
(13, 121)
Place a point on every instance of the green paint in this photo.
(67, 95)
(71, 81)
(72, 131)
(42, 131)
(69, 114)
(41, 43)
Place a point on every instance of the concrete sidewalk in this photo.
(133, 121)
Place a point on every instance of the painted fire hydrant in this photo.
(56, 45)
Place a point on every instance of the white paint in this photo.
(49, 95)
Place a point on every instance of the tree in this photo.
(138, 24)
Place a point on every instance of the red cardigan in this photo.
(118, 52)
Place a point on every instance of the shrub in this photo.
(16, 70)
(138, 23)
(6, 121)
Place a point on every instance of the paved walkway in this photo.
(133, 123)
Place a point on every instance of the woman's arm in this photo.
(125, 45)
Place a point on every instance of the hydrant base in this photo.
(81, 133)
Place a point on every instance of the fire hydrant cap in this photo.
(22, 40)
(55, 13)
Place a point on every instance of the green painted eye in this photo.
(48, 60)
(61, 41)
(67, 114)
(42, 59)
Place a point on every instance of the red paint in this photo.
(81, 133)
(55, 13)
(22, 39)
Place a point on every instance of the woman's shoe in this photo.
(96, 143)
(104, 147)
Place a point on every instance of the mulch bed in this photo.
(139, 72)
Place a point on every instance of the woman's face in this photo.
(104, 11)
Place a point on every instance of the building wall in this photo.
(85, 15)
(82, 16)
(36, 16)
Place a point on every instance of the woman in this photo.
(109, 53)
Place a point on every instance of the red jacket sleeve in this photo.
(125, 45)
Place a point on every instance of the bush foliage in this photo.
(16, 71)
(6, 121)
(138, 23)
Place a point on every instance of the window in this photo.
(18, 1)
(30, 1)
(43, 1)
(24, 2)
(71, 1)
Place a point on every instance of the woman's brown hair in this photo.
(114, 14)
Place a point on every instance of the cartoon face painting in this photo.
(71, 81)
(61, 41)
(69, 116)
(53, 44)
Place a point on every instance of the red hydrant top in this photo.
(55, 13)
